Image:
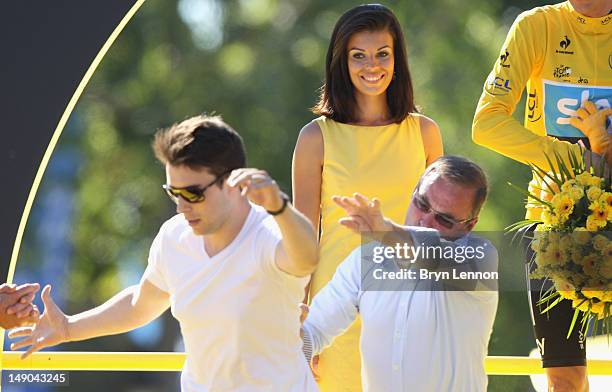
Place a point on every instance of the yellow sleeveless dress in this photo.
(377, 161)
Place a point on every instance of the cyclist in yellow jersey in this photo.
(562, 56)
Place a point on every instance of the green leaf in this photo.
(521, 224)
(526, 193)
(563, 167)
(554, 173)
(571, 328)
(552, 305)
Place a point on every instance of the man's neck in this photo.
(219, 240)
(594, 9)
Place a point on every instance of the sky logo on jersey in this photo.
(561, 100)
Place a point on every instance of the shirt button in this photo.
(398, 334)
(396, 367)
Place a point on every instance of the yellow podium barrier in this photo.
(163, 361)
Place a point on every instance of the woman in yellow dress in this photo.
(369, 139)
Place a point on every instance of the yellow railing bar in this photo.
(164, 361)
(101, 361)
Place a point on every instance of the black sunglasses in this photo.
(443, 219)
(191, 194)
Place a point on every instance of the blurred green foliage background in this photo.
(259, 64)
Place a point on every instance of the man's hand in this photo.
(51, 329)
(592, 122)
(363, 215)
(16, 308)
(258, 186)
(314, 361)
(304, 309)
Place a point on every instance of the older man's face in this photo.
(442, 205)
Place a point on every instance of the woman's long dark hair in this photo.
(337, 100)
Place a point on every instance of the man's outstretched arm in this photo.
(297, 253)
(129, 309)
(335, 307)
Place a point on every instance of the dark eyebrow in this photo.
(363, 50)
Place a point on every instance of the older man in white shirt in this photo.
(419, 335)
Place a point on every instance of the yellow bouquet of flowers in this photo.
(571, 241)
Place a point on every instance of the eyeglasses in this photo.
(443, 219)
(191, 194)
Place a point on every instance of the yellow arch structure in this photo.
(54, 139)
(168, 361)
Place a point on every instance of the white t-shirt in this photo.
(238, 312)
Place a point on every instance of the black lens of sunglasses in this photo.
(443, 221)
(190, 195)
(422, 205)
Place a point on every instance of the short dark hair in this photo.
(337, 98)
(201, 142)
(464, 172)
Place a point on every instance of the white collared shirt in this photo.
(410, 340)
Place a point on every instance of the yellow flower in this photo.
(581, 236)
(537, 244)
(592, 224)
(545, 190)
(576, 193)
(595, 181)
(600, 213)
(592, 293)
(545, 194)
(593, 193)
(554, 236)
(606, 198)
(567, 185)
(565, 288)
(581, 304)
(598, 307)
(563, 205)
(600, 242)
(541, 259)
(565, 244)
(589, 264)
(606, 267)
(606, 270)
(554, 255)
(576, 255)
(547, 217)
(584, 179)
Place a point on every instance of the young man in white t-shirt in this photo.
(231, 265)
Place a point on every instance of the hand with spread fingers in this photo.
(592, 122)
(363, 215)
(258, 187)
(51, 329)
(16, 308)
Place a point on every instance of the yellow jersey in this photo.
(562, 59)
